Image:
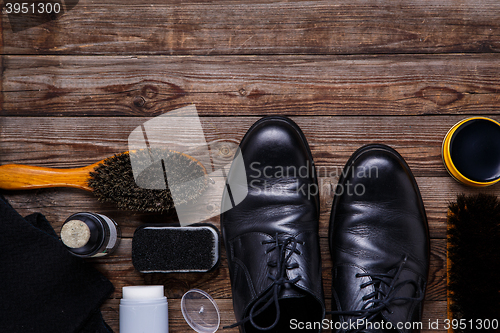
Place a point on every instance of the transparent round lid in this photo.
(200, 311)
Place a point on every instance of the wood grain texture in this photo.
(21, 177)
(349, 72)
(69, 142)
(77, 141)
(238, 27)
(251, 85)
(66, 142)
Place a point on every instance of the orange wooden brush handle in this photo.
(19, 177)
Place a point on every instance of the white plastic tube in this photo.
(143, 309)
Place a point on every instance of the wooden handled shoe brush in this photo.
(112, 179)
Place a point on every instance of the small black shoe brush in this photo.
(157, 248)
(474, 261)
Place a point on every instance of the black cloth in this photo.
(44, 287)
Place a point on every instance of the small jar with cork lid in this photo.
(90, 235)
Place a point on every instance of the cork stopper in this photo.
(75, 234)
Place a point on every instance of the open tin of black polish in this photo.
(90, 235)
(471, 151)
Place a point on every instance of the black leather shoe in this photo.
(379, 242)
(271, 237)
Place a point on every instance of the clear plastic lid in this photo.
(200, 311)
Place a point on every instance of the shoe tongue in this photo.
(400, 309)
(290, 292)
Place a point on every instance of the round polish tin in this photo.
(471, 151)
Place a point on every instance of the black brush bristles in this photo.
(474, 256)
(113, 181)
(161, 249)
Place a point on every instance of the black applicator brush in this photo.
(474, 260)
(112, 179)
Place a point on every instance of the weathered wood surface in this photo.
(73, 142)
(264, 27)
(77, 141)
(349, 72)
(251, 85)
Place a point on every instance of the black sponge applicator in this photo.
(166, 249)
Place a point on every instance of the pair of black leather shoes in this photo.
(378, 238)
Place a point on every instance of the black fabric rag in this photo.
(44, 287)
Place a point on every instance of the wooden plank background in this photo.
(264, 27)
(349, 72)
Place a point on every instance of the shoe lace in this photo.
(378, 300)
(286, 247)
